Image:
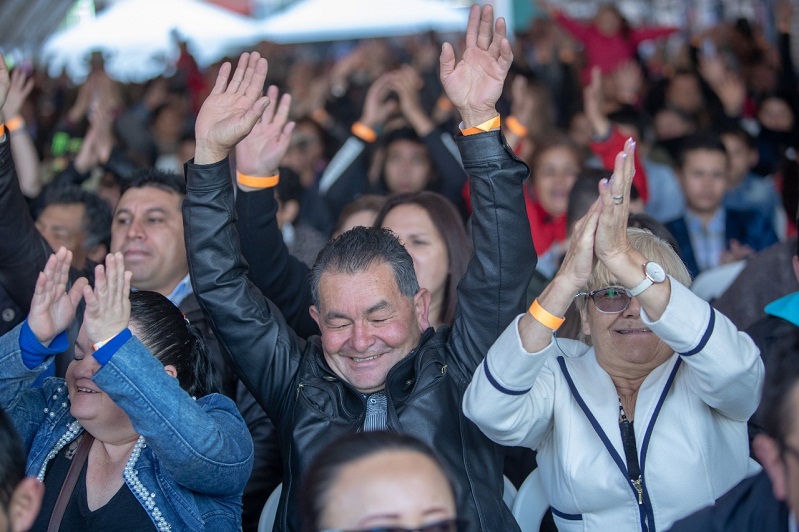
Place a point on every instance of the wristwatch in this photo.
(654, 274)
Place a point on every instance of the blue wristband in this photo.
(107, 350)
(34, 353)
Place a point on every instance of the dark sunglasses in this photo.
(450, 525)
(609, 300)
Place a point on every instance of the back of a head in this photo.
(12, 460)
(777, 413)
(327, 467)
(360, 248)
(163, 329)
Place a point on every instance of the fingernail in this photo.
(632, 145)
(604, 182)
(624, 155)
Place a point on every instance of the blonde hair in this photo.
(653, 248)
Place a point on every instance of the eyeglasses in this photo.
(609, 300)
(450, 525)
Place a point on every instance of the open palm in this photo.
(261, 151)
(52, 307)
(229, 113)
(475, 83)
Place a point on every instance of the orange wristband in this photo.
(14, 124)
(488, 125)
(444, 103)
(257, 182)
(545, 318)
(515, 127)
(2, 130)
(320, 116)
(364, 132)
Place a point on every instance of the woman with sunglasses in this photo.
(377, 482)
(649, 423)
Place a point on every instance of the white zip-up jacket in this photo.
(690, 419)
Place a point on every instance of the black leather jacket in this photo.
(309, 404)
(24, 252)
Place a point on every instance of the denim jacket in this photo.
(192, 459)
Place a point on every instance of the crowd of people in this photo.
(389, 284)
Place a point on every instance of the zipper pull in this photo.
(638, 485)
(299, 387)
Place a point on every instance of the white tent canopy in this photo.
(136, 38)
(327, 20)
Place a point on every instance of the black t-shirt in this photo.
(120, 514)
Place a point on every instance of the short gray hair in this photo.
(358, 249)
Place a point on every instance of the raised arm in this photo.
(25, 156)
(492, 290)
(347, 174)
(280, 276)
(250, 328)
(24, 255)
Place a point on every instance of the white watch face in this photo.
(655, 272)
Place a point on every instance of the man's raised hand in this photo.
(475, 83)
(232, 109)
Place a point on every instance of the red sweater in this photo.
(546, 229)
(608, 53)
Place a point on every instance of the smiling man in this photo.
(377, 364)
(148, 230)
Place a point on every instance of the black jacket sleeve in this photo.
(264, 351)
(492, 291)
(281, 277)
(23, 252)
